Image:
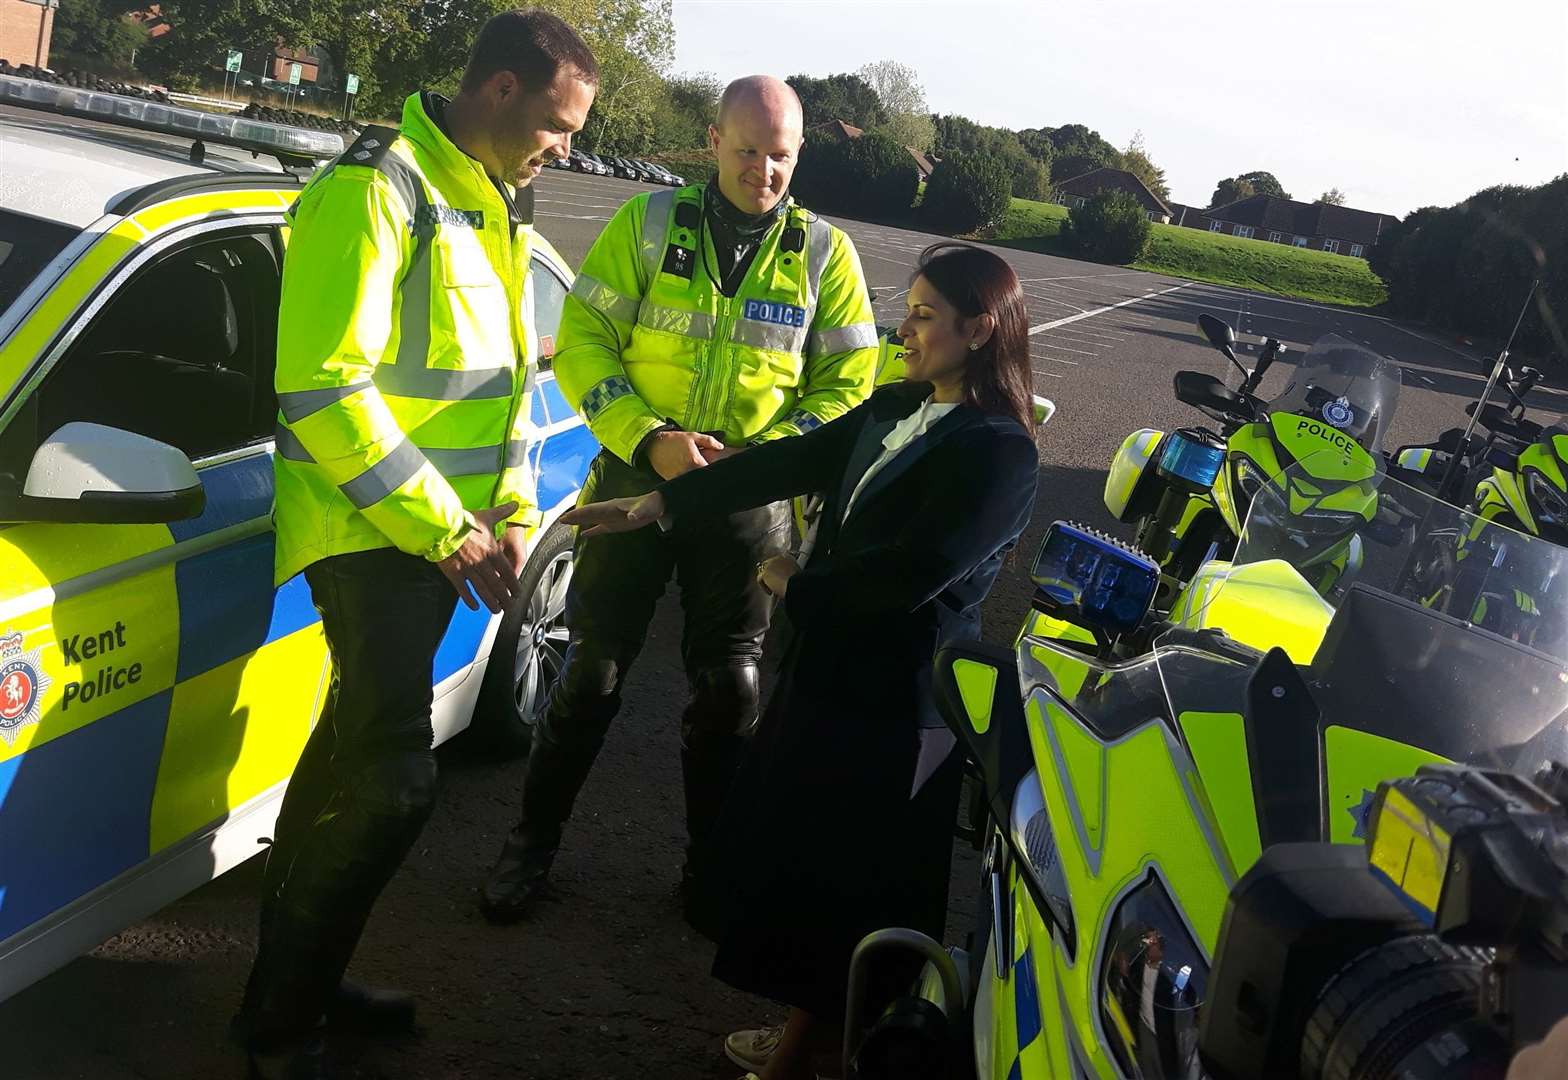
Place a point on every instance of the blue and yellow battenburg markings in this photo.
(158, 681)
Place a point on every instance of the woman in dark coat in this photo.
(841, 821)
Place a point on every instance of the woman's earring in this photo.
(973, 346)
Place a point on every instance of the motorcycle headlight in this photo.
(1549, 504)
(1321, 523)
(1034, 841)
(1152, 986)
(1249, 481)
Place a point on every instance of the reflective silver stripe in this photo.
(655, 225)
(694, 324)
(385, 476)
(767, 336)
(479, 461)
(441, 384)
(605, 300)
(476, 462)
(298, 404)
(413, 317)
(843, 338)
(819, 246)
(289, 446)
(403, 178)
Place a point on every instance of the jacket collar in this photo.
(888, 407)
(420, 126)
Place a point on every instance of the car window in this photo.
(27, 244)
(183, 353)
(549, 293)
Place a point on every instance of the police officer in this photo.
(402, 375)
(704, 320)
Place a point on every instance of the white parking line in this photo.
(1106, 337)
(1077, 352)
(1043, 327)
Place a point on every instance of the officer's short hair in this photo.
(532, 44)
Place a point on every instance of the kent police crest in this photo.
(1339, 413)
(22, 686)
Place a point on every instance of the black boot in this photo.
(301, 1059)
(519, 878)
(370, 1010)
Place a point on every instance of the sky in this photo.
(1398, 103)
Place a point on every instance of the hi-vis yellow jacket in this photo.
(405, 353)
(647, 337)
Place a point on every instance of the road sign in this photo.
(294, 74)
(233, 62)
(353, 84)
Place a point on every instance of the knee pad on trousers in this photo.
(590, 679)
(723, 704)
(400, 786)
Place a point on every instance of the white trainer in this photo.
(751, 1049)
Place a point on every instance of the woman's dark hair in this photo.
(532, 44)
(997, 378)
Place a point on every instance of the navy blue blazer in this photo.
(905, 573)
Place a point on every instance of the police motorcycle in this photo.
(1137, 764)
(1506, 432)
(1187, 491)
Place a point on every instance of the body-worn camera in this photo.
(1438, 950)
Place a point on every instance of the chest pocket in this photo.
(458, 247)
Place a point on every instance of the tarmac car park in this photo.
(155, 688)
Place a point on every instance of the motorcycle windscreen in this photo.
(1451, 637)
(1346, 386)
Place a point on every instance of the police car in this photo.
(155, 688)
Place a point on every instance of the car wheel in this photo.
(529, 650)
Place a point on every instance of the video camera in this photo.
(1439, 949)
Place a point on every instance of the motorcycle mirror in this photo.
(1222, 337)
(1219, 333)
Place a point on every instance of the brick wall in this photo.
(20, 22)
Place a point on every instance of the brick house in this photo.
(281, 58)
(25, 29)
(1080, 189)
(1339, 230)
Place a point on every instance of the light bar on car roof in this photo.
(156, 116)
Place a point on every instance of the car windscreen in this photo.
(27, 244)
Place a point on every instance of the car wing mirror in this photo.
(92, 474)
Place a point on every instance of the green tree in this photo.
(689, 104)
(967, 192)
(1136, 160)
(1264, 183)
(872, 176)
(898, 88)
(1077, 150)
(1332, 197)
(909, 129)
(99, 30)
(1112, 227)
(839, 97)
(1229, 191)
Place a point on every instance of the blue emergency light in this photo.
(1093, 579)
(1191, 459)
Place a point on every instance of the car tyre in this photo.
(529, 650)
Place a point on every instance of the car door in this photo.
(161, 687)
